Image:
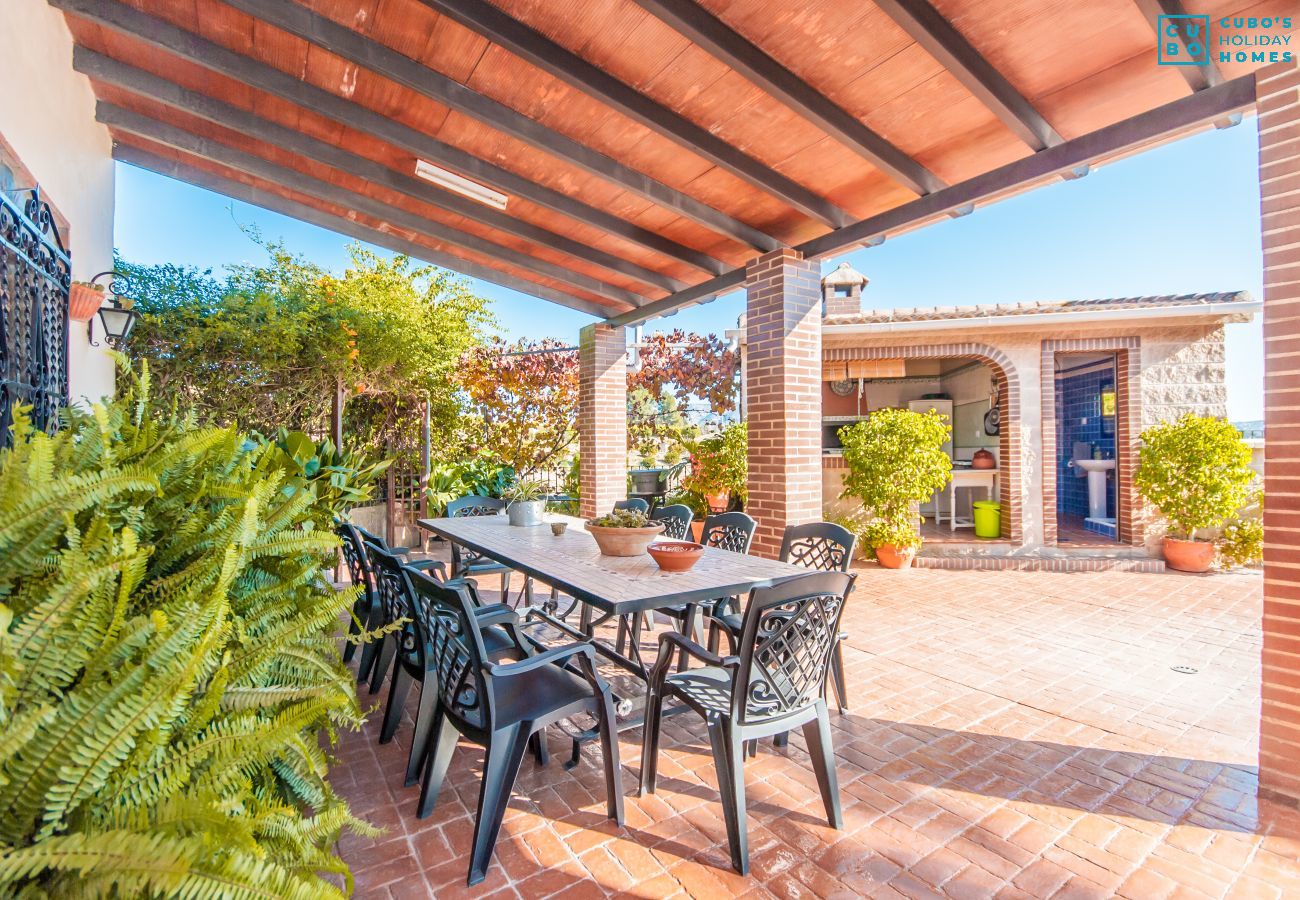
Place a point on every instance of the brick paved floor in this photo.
(1011, 734)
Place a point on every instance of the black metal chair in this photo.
(466, 563)
(775, 682)
(395, 585)
(636, 503)
(500, 706)
(823, 546)
(366, 611)
(677, 520)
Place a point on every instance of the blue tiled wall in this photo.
(1078, 397)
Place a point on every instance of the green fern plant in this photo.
(169, 666)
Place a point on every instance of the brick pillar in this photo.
(1278, 104)
(783, 394)
(602, 418)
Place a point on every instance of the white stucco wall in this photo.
(47, 115)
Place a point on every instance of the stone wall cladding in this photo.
(602, 418)
(783, 394)
(1184, 370)
(1278, 104)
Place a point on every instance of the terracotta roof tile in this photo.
(1040, 307)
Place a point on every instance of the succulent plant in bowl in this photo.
(623, 532)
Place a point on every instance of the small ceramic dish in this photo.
(675, 556)
(557, 528)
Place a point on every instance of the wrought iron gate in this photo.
(35, 276)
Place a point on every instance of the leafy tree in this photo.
(525, 398)
(266, 345)
(895, 458)
(1196, 471)
(674, 368)
(170, 680)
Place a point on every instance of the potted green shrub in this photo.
(1196, 472)
(895, 460)
(720, 466)
(624, 532)
(527, 502)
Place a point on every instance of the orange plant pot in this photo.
(892, 557)
(718, 502)
(1188, 556)
(697, 530)
(83, 302)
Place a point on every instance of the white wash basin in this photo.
(1095, 465)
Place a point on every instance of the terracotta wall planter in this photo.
(1188, 556)
(895, 557)
(83, 302)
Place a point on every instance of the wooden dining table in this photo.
(607, 587)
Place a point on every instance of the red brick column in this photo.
(783, 403)
(602, 417)
(1278, 103)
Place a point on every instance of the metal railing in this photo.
(35, 277)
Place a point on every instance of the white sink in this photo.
(1095, 465)
(1096, 469)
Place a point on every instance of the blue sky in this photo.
(1183, 218)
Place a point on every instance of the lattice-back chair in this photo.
(465, 563)
(636, 503)
(500, 706)
(732, 531)
(676, 518)
(366, 611)
(826, 547)
(775, 681)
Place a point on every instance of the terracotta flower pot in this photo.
(675, 556)
(892, 557)
(697, 530)
(624, 541)
(1188, 556)
(718, 502)
(84, 302)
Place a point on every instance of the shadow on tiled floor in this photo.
(1010, 734)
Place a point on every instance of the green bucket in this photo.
(988, 519)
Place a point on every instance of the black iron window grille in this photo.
(35, 276)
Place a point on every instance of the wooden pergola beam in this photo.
(572, 69)
(156, 33)
(925, 25)
(277, 203)
(107, 70)
(1198, 77)
(728, 46)
(1159, 124)
(125, 120)
(355, 47)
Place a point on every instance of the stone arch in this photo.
(1009, 437)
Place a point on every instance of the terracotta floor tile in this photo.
(1012, 734)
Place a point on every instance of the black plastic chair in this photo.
(677, 520)
(500, 706)
(466, 563)
(823, 546)
(395, 585)
(366, 611)
(776, 682)
(635, 503)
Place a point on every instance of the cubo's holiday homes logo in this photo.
(1184, 40)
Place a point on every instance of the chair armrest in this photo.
(495, 615)
(545, 658)
(426, 564)
(671, 639)
(400, 551)
(725, 628)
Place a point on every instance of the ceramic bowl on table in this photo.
(675, 556)
(624, 541)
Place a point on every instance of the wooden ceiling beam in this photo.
(1156, 125)
(118, 17)
(125, 120)
(925, 25)
(549, 56)
(1198, 77)
(712, 34)
(107, 70)
(370, 54)
(278, 203)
